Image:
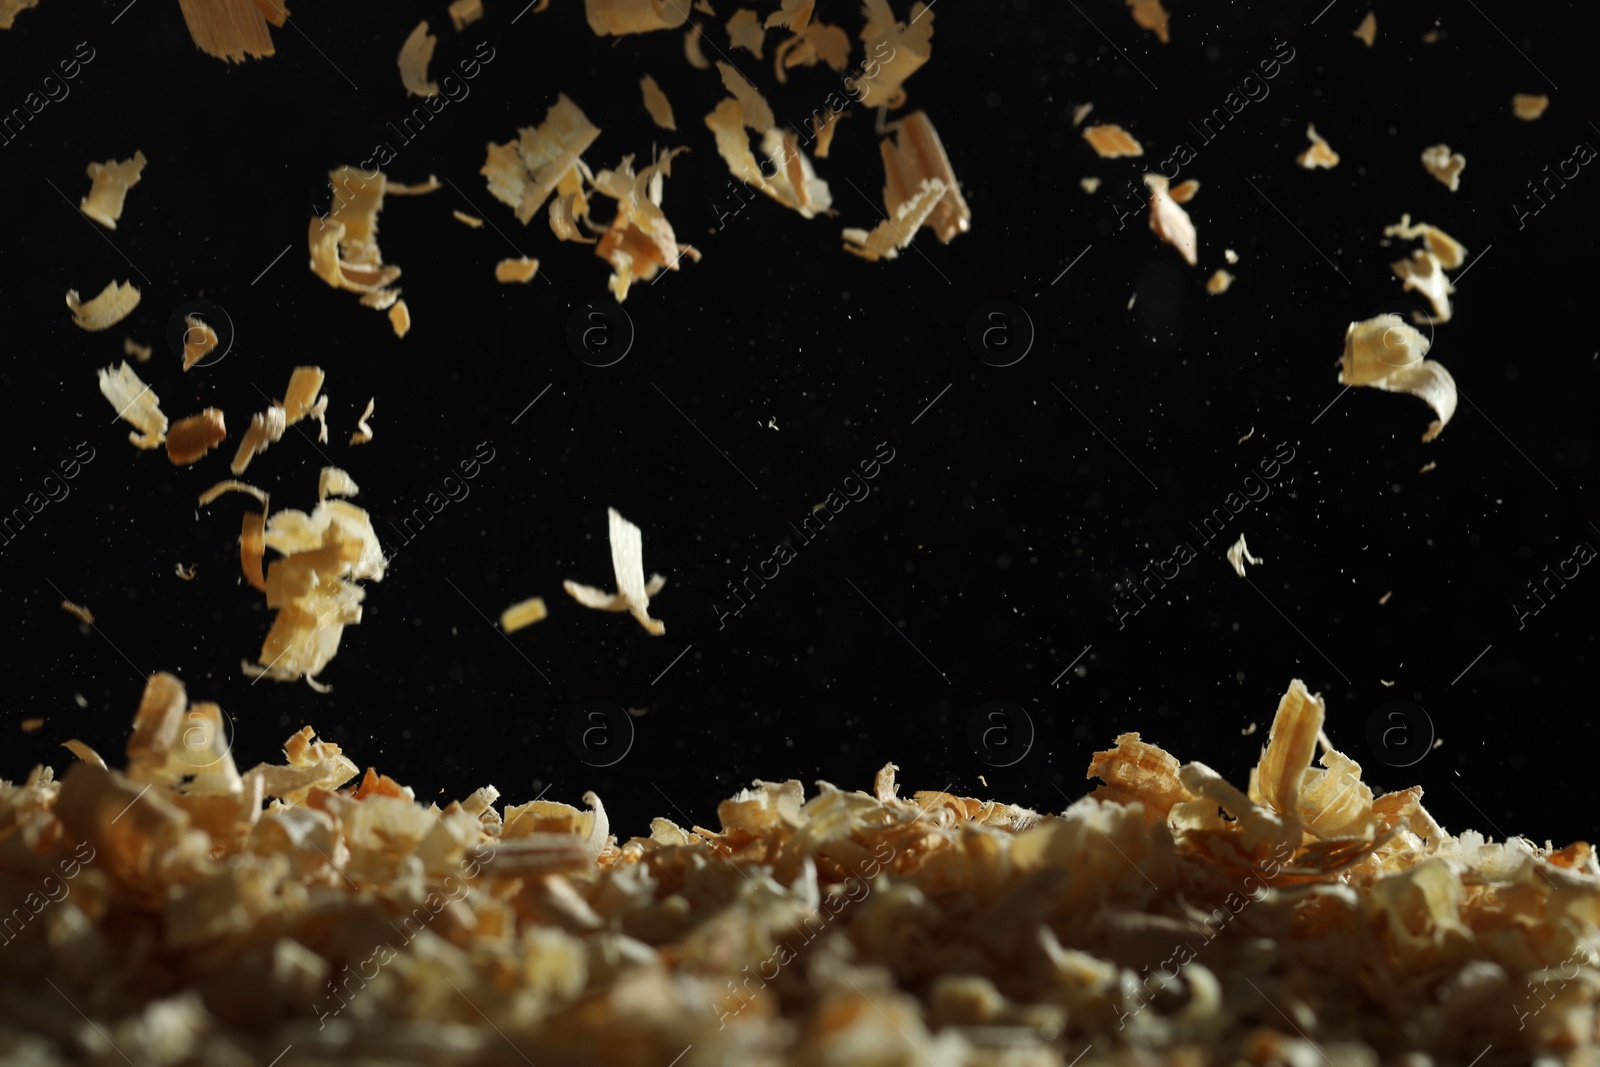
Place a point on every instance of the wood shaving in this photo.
(893, 234)
(78, 611)
(464, 13)
(1230, 255)
(139, 352)
(135, 403)
(618, 17)
(232, 485)
(1150, 15)
(186, 573)
(655, 102)
(1219, 282)
(199, 339)
(521, 614)
(1528, 108)
(756, 112)
(1384, 599)
(115, 303)
(84, 753)
(793, 183)
(335, 482)
(915, 155)
(191, 438)
(745, 31)
(29, 725)
(792, 15)
(344, 245)
(1368, 30)
(691, 48)
(1185, 192)
(233, 29)
(415, 55)
(265, 429)
(823, 129)
(1170, 222)
(1319, 154)
(1442, 164)
(1428, 466)
(1424, 271)
(1110, 142)
(363, 432)
(819, 42)
(471, 220)
(9, 10)
(400, 318)
(1080, 113)
(1387, 353)
(516, 270)
(1239, 555)
(432, 185)
(111, 182)
(1089, 185)
(627, 561)
(523, 173)
(640, 241)
(564, 218)
(301, 399)
(938, 930)
(908, 44)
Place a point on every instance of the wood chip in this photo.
(521, 614)
(1219, 282)
(1110, 142)
(915, 155)
(523, 173)
(618, 17)
(400, 318)
(191, 438)
(233, 29)
(746, 31)
(111, 182)
(363, 432)
(471, 220)
(1239, 555)
(819, 42)
(1080, 113)
(464, 13)
(655, 102)
(115, 303)
(1528, 108)
(199, 339)
(1368, 30)
(891, 235)
(822, 130)
(627, 561)
(1152, 16)
(908, 45)
(516, 270)
(691, 48)
(1387, 353)
(137, 351)
(29, 725)
(135, 403)
(1089, 185)
(186, 573)
(1319, 154)
(1170, 222)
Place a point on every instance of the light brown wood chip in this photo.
(111, 182)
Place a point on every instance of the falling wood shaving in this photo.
(627, 561)
(756, 113)
(111, 182)
(523, 173)
(335, 482)
(1384, 599)
(908, 45)
(564, 214)
(792, 15)
(1424, 271)
(793, 181)
(1185, 192)
(1170, 222)
(1219, 282)
(1368, 30)
(1151, 16)
(1080, 113)
(618, 17)
(78, 610)
(1109, 142)
(29, 725)
(9, 10)
(471, 220)
(464, 13)
(1440, 162)
(819, 42)
(415, 55)
(745, 31)
(915, 155)
(1528, 108)
(400, 318)
(233, 29)
(893, 234)
(432, 185)
(1239, 554)
(522, 614)
(344, 245)
(822, 129)
(516, 270)
(363, 432)
(84, 753)
(1319, 154)
(114, 304)
(199, 339)
(186, 573)
(1387, 353)
(655, 102)
(135, 403)
(691, 48)
(640, 241)
(191, 438)
(1230, 255)
(139, 352)
(1089, 185)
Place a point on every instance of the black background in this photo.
(985, 559)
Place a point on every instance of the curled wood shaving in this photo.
(79, 611)
(627, 561)
(618, 17)
(1184, 192)
(199, 339)
(335, 482)
(1170, 222)
(191, 438)
(84, 752)
(756, 112)
(233, 29)
(1080, 113)
(892, 234)
(524, 172)
(115, 303)
(265, 429)
(186, 573)
(1446, 249)
(691, 48)
(640, 241)
(363, 432)
(344, 245)
(907, 45)
(135, 403)
(793, 15)
(823, 129)
(655, 102)
(232, 486)
(1319, 154)
(1440, 162)
(1239, 554)
(1111, 141)
(415, 55)
(564, 218)
(111, 182)
(915, 155)
(432, 185)
(1387, 353)
(253, 548)
(817, 43)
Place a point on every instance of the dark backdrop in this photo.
(984, 563)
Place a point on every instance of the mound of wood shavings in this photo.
(179, 911)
